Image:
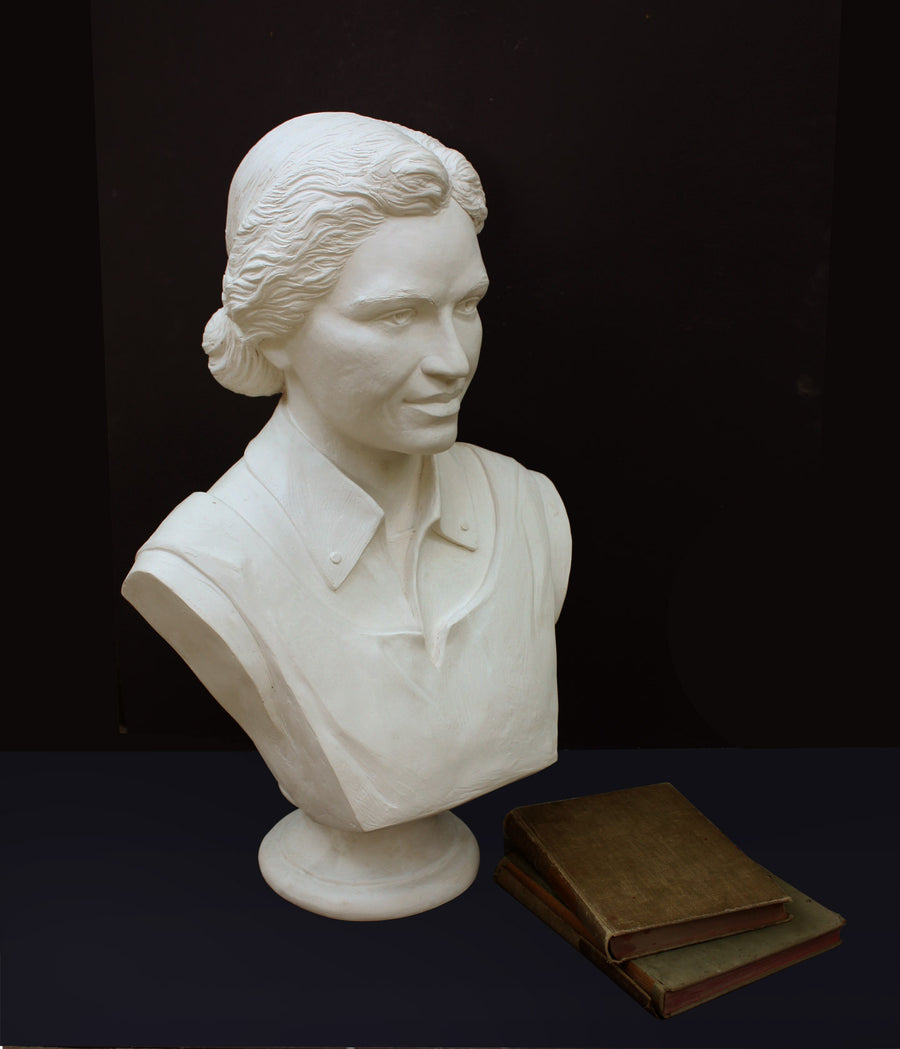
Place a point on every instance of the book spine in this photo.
(519, 836)
(506, 878)
(513, 866)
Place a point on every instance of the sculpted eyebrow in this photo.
(402, 299)
(394, 300)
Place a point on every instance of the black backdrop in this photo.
(659, 350)
(660, 187)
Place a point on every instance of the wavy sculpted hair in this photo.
(300, 202)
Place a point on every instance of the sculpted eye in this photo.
(399, 318)
(468, 307)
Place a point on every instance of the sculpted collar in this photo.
(334, 516)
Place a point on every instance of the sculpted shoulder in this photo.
(203, 525)
(503, 470)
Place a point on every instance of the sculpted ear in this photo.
(280, 350)
(276, 353)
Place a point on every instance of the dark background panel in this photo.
(660, 184)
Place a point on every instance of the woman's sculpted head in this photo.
(300, 203)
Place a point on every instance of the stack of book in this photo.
(655, 895)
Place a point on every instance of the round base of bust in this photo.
(372, 875)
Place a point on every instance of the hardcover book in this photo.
(642, 870)
(673, 981)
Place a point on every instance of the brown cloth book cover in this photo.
(671, 982)
(643, 870)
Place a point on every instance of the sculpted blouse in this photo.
(373, 701)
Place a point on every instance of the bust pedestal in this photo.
(391, 872)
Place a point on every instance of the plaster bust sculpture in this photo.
(372, 601)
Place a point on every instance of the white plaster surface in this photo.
(388, 873)
(372, 600)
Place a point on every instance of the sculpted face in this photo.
(383, 361)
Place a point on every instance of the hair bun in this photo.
(219, 329)
(236, 364)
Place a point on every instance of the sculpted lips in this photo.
(438, 404)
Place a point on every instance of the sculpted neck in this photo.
(391, 478)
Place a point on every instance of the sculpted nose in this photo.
(446, 358)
